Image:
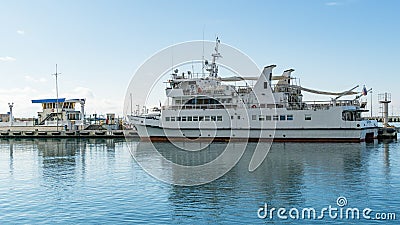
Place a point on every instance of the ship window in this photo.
(219, 118)
(195, 118)
(282, 117)
(178, 118)
(268, 117)
(275, 117)
(213, 118)
(189, 118)
(172, 118)
(183, 118)
(253, 117)
(265, 85)
(350, 116)
(201, 118)
(232, 117)
(167, 118)
(289, 117)
(178, 101)
(238, 117)
(207, 118)
(261, 117)
(73, 116)
(307, 117)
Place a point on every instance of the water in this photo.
(98, 182)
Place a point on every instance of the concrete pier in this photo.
(69, 134)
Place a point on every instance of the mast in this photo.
(202, 57)
(371, 104)
(213, 68)
(131, 104)
(56, 75)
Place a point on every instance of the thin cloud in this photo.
(35, 80)
(94, 104)
(80, 92)
(7, 59)
(332, 3)
(21, 97)
(20, 32)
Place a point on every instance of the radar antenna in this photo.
(213, 68)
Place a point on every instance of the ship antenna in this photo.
(202, 57)
(192, 71)
(172, 60)
(214, 68)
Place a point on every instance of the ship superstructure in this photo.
(61, 112)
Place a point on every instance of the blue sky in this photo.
(333, 45)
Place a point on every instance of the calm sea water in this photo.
(98, 182)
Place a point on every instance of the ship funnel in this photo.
(285, 79)
(267, 72)
(287, 73)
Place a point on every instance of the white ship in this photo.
(212, 108)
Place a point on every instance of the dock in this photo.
(70, 134)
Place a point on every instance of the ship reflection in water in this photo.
(98, 181)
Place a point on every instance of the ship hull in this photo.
(152, 133)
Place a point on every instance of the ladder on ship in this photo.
(46, 118)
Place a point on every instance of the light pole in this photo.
(56, 75)
(11, 105)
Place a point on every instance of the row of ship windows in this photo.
(203, 101)
(219, 118)
(193, 118)
(278, 117)
(274, 117)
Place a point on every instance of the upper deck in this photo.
(186, 91)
